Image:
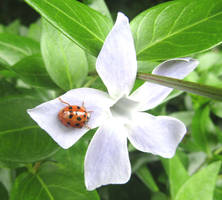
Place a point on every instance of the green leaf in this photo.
(91, 62)
(34, 31)
(216, 108)
(100, 6)
(159, 196)
(13, 27)
(13, 48)
(85, 26)
(146, 177)
(177, 175)
(3, 192)
(187, 86)
(200, 185)
(73, 158)
(6, 178)
(21, 140)
(184, 116)
(218, 194)
(32, 70)
(2, 28)
(65, 62)
(199, 125)
(177, 29)
(51, 183)
(7, 86)
(209, 60)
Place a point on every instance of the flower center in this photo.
(123, 109)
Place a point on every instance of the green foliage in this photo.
(13, 48)
(177, 175)
(22, 140)
(83, 25)
(177, 29)
(62, 178)
(71, 35)
(146, 177)
(199, 127)
(31, 70)
(51, 182)
(65, 62)
(100, 6)
(3, 192)
(200, 185)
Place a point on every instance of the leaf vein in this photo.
(81, 25)
(177, 32)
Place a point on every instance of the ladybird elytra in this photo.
(73, 115)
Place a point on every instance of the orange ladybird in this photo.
(73, 115)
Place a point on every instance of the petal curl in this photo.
(107, 159)
(157, 135)
(151, 95)
(46, 114)
(116, 63)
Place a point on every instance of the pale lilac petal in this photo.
(157, 135)
(150, 95)
(107, 159)
(116, 63)
(46, 114)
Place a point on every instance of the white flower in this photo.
(118, 114)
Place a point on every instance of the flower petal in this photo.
(107, 159)
(46, 114)
(116, 63)
(150, 94)
(157, 135)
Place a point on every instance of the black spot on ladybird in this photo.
(70, 107)
(84, 115)
(79, 118)
(78, 107)
(77, 124)
(68, 123)
(70, 116)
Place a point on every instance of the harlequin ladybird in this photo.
(73, 115)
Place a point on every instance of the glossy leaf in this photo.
(85, 26)
(34, 30)
(66, 62)
(187, 86)
(177, 175)
(3, 192)
(21, 140)
(201, 185)
(13, 48)
(159, 196)
(51, 183)
(146, 177)
(73, 158)
(100, 6)
(199, 127)
(13, 27)
(32, 70)
(218, 194)
(177, 29)
(217, 108)
(185, 116)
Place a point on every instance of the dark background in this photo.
(11, 10)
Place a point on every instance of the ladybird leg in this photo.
(83, 105)
(87, 126)
(63, 101)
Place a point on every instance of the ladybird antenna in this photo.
(63, 101)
